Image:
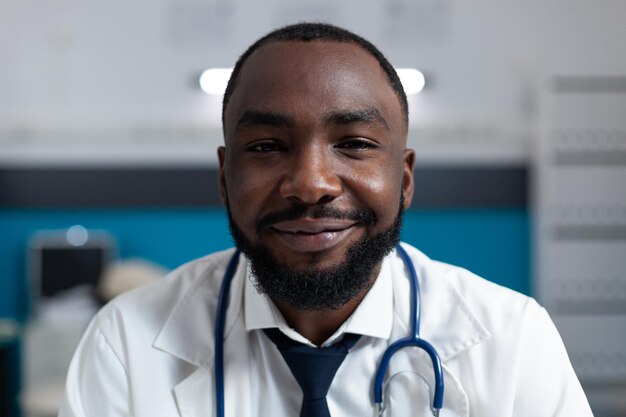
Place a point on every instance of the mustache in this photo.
(298, 211)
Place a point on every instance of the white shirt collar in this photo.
(373, 317)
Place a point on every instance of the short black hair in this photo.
(307, 32)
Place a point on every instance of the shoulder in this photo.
(473, 288)
(485, 297)
(497, 309)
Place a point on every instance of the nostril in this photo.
(322, 200)
(326, 199)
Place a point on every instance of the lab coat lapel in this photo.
(447, 322)
(195, 395)
(188, 335)
(189, 329)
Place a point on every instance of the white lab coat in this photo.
(149, 353)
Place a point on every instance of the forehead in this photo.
(312, 78)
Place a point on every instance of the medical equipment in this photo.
(413, 340)
(60, 261)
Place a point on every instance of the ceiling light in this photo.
(215, 80)
(412, 80)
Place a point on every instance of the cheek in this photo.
(248, 194)
(251, 193)
(380, 191)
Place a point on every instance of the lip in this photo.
(313, 235)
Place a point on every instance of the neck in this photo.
(319, 325)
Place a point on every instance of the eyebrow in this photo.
(369, 115)
(255, 118)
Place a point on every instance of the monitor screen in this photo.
(65, 268)
(59, 262)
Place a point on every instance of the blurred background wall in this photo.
(103, 124)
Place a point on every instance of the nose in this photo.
(311, 177)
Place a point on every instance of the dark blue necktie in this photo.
(313, 368)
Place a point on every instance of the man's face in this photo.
(315, 157)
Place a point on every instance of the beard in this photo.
(323, 288)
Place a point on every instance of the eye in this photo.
(357, 144)
(265, 147)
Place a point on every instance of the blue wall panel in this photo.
(493, 243)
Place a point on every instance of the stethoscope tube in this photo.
(414, 340)
(220, 322)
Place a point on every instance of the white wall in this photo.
(84, 78)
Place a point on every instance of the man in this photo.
(315, 175)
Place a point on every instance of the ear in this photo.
(221, 156)
(408, 183)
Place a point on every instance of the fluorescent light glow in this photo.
(214, 80)
(412, 80)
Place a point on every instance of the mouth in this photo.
(313, 234)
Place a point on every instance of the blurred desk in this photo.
(9, 368)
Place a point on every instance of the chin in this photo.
(315, 260)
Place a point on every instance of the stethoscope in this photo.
(413, 340)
